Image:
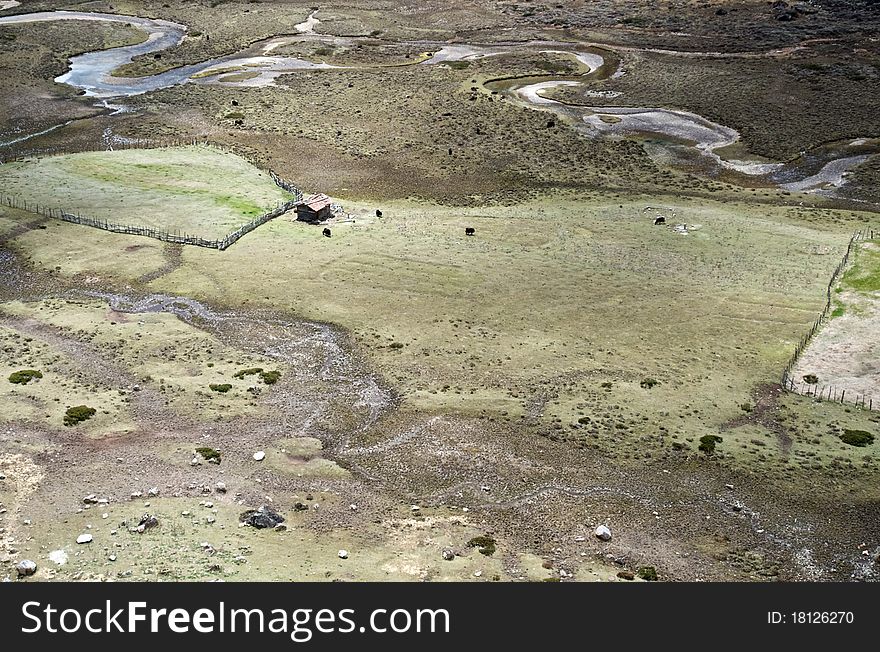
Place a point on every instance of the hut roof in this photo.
(317, 202)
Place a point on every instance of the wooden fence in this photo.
(160, 234)
(827, 392)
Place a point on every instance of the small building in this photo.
(315, 208)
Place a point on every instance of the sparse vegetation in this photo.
(222, 388)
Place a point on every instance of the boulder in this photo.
(265, 517)
(26, 567)
(147, 521)
(603, 533)
(448, 555)
(84, 538)
(343, 554)
(259, 456)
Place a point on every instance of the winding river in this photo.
(680, 134)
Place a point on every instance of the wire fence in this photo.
(805, 386)
(164, 235)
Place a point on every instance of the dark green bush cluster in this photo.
(647, 573)
(484, 543)
(811, 379)
(220, 387)
(268, 377)
(209, 453)
(857, 437)
(708, 442)
(247, 372)
(648, 383)
(24, 376)
(78, 413)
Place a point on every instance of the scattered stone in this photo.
(112, 557)
(220, 487)
(84, 538)
(154, 491)
(259, 456)
(343, 554)
(448, 554)
(91, 499)
(58, 557)
(603, 533)
(281, 527)
(26, 567)
(265, 517)
(196, 460)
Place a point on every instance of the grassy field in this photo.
(194, 190)
(556, 315)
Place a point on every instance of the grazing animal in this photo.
(378, 213)
(326, 233)
(469, 230)
(660, 220)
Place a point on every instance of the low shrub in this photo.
(811, 379)
(220, 387)
(24, 376)
(648, 383)
(270, 377)
(78, 413)
(247, 372)
(484, 543)
(209, 453)
(708, 442)
(647, 573)
(859, 438)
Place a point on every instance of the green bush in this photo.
(247, 372)
(811, 379)
(484, 543)
(24, 376)
(647, 573)
(221, 387)
(78, 413)
(648, 383)
(270, 377)
(857, 438)
(708, 442)
(209, 453)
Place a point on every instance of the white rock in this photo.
(343, 554)
(259, 456)
(448, 555)
(603, 533)
(112, 558)
(154, 491)
(84, 538)
(58, 556)
(26, 567)
(220, 487)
